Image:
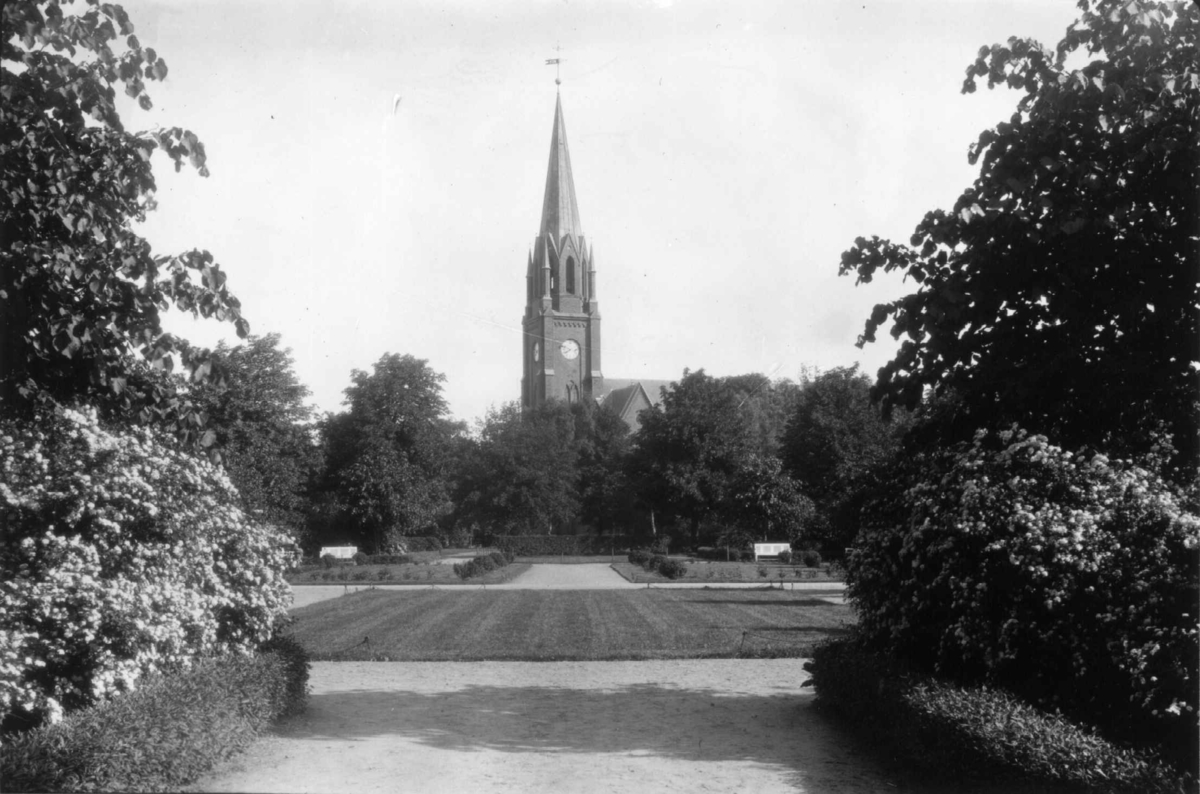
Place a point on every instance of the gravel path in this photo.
(697, 726)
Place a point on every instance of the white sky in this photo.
(725, 154)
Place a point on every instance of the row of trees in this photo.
(718, 461)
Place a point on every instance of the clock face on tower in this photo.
(570, 349)
(537, 351)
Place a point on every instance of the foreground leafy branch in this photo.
(1060, 290)
(81, 294)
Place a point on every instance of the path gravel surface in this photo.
(726, 725)
(712, 725)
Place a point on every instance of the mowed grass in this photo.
(555, 625)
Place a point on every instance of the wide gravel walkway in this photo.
(721, 725)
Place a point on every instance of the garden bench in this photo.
(770, 549)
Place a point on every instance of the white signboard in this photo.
(770, 549)
(341, 552)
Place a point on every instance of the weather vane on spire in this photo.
(557, 67)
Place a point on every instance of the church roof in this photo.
(621, 392)
(560, 212)
(624, 385)
(628, 398)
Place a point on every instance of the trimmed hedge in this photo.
(552, 545)
(386, 559)
(166, 733)
(955, 733)
(422, 544)
(718, 554)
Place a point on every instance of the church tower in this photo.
(562, 316)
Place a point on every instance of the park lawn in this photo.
(573, 625)
(411, 573)
(703, 572)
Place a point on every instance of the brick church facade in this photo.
(561, 340)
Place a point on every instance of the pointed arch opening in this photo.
(570, 275)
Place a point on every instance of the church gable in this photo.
(628, 398)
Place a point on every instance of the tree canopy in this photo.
(690, 447)
(522, 476)
(81, 294)
(835, 444)
(1061, 289)
(386, 456)
(261, 428)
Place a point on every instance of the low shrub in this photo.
(661, 544)
(639, 557)
(672, 569)
(950, 732)
(811, 558)
(481, 565)
(166, 733)
(360, 558)
(785, 557)
(329, 561)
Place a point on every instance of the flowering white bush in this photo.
(1068, 576)
(121, 556)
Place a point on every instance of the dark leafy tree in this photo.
(1061, 289)
(766, 404)
(81, 294)
(522, 476)
(387, 456)
(690, 447)
(262, 428)
(602, 443)
(835, 444)
(767, 502)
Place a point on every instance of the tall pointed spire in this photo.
(560, 212)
